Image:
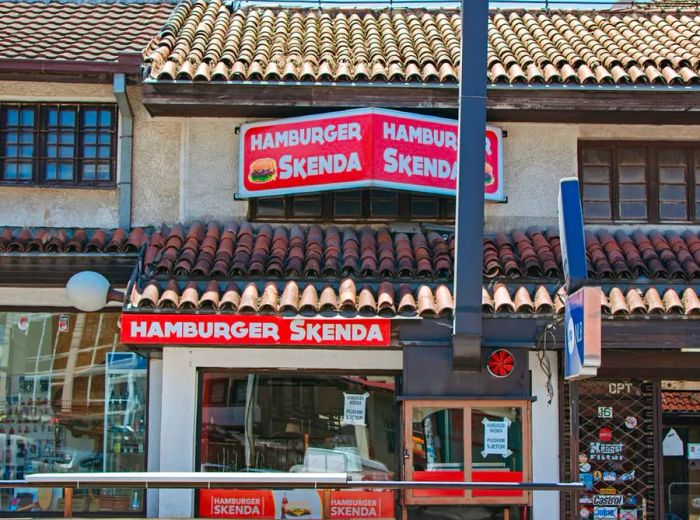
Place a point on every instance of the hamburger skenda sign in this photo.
(359, 148)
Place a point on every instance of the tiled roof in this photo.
(56, 240)
(204, 40)
(350, 297)
(680, 402)
(237, 250)
(78, 31)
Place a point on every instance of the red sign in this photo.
(308, 504)
(366, 147)
(605, 434)
(361, 504)
(233, 503)
(216, 329)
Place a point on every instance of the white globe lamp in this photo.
(89, 291)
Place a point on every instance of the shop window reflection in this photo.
(72, 399)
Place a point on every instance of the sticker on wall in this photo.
(582, 458)
(608, 500)
(496, 438)
(587, 480)
(631, 422)
(627, 477)
(605, 412)
(608, 491)
(584, 512)
(693, 451)
(63, 323)
(585, 467)
(628, 514)
(354, 409)
(585, 499)
(23, 323)
(604, 451)
(597, 476)
(672, 445)
(605, 434)
(605, 513)
(609, 476)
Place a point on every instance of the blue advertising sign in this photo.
(573, 241)
(582, 334)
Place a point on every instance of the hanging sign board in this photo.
(359, 148)
(582, 334)
(242, 330)
(571, 235)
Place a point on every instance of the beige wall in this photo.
(186, 168)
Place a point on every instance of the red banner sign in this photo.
(366, 147)
(259, 504)
(238, 330)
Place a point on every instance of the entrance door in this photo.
(681, 454)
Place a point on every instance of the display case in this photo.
(125, 412)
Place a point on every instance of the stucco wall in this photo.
(186, 168)
(57, 207)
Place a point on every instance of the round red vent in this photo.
(500, 363)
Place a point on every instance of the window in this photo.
(477, 441)
(58, 144)
(371, 204)
(640, 182)
(72, 399)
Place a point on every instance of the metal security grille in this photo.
(615, 452)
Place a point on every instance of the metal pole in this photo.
(469, 221)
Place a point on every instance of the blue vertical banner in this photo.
(573, 240)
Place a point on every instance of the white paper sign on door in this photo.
(496, 438)
(354, 409)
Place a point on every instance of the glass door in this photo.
(476, 441)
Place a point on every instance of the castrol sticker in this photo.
(359, 148)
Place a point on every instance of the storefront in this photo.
(73, 399)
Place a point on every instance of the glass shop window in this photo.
(264, 422)
(484, 441)
(72, 399)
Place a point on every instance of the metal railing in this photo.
(191, 480)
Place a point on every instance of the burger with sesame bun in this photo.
(263, 170)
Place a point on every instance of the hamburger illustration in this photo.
(298, 508)
(263, 170)
(489, 179)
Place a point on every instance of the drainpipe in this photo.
(126, 145)
(469, 222)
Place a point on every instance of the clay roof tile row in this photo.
(390, 299)
(204, 41)
(241, 249)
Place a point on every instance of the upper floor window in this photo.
(355, 205)
(635, 181)
(58, 144)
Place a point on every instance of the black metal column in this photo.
(469, 228)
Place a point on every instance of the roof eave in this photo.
(26, 69)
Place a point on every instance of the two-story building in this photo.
(287, 274)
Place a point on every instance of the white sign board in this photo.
(672, 445)
(693, 451)
(354, 409)
(496, 438)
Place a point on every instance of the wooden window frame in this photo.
(327, 213)
(40, 144)
(466, 406)
(652, 180)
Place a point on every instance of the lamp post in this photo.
(89, 291)
(469, 221)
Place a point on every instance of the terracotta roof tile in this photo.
(239, 249)
(350, 297)
(417, 45)
(78, 31)
(680, 402)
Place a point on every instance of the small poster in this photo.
(603, 451)
(605, 513)
(672, 445)
(354, 409)
(693, 451)
(496, 438)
